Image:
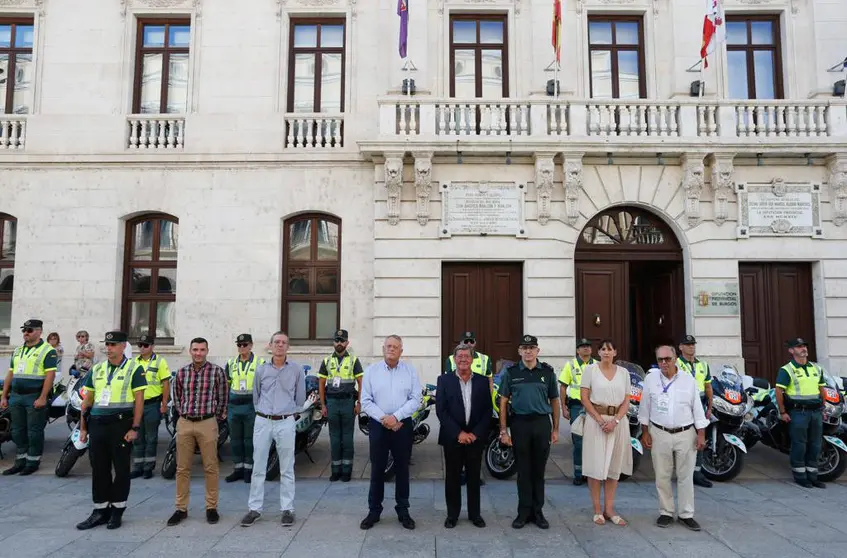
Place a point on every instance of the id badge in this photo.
(336, 382)
(21, 367)
(105, 397)
(663, 403)
(242, 385)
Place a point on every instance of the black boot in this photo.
(236, 475)
(701, 480)
(97, 518)
(29, 469)
(136, 473)
(15, 469)
(336, 474)
(115, 518)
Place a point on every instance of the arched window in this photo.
(8, 240)
(311, 291)
(150, 276)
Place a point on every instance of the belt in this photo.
(196, 418)
(26, 391)
(278, 417)
(531, 416)
(672, 430)
(157, 399)
(606, 410)
(574, 401)
(241, 400)
(809, 407)
(340, 395)
(109, 419)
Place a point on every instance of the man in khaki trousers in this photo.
(673, 425)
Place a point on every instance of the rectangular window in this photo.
(161, 67)
(16, 69)
(479, 58)
(8, 243)
(754, 57)
(616, 57)
(316, 66)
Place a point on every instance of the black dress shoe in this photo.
(14, 469)
(407, 522)
(664, 521)
(97, 518)
(520, 522)
(177, 517)
(136, 474)
(236, 475)
(541, 521)
(369, 522)
(212, 516)
(817, 484)
(690, 523)
(450, 522)
(115, 518)
(478, 522)
(701, 480)
(28, 470)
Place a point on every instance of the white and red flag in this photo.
(714, 29)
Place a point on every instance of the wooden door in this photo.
(601, 303)
(486, 298)
(659, 308)
(776, 305)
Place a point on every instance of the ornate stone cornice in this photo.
(693, 179)
(515, 3)
(837, 180)
(394, 184)
(35, 5)
(723, 185)
(423, 184)
(195, 5)
(544, 168)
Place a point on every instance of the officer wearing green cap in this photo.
(241, 371)
(481, 363)
(529, 389)
(29, 380)
(688, 362)
(570, 379)
(799, 395)
(340, 388)
(158, 376)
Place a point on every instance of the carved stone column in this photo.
(723, 185)
(837, 179)
(544, 168)
(423, 184)
(572, 163)
(693, 179)
(394, 184)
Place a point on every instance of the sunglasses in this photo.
(469, 341)
(665, 359)
(143, 345)
(339, 340)
(28, 330)
(242, 345)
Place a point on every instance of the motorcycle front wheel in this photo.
(636, 461)
(723, 465)
(832, 463)
(500, 459)
(68, 459)
(389, 468)
(169, 463)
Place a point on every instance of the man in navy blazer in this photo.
(464, 408)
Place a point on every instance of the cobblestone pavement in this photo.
(760, 514)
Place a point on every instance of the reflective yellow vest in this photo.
(572, 376)
(478, 366)
(343, 370)
(805, 383)
(121, 394)
(240, 377)
(700, 372)
(151, 373)
(31, 366)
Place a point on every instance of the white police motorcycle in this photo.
(74, 448)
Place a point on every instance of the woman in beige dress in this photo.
(606, 451)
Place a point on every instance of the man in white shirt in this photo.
(673, 424)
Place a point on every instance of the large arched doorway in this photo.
(629, 282)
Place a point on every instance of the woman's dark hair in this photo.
(199, 341)
(52, 335)
(609, 343)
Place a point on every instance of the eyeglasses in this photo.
(665, 359)
(111, 344)
(143, 345)
(242, 345)
(28, 330)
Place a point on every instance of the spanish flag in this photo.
(557, 28)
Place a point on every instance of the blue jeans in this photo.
(806, 428)
(575, 410)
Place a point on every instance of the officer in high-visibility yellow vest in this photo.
(688, 362)
(481, 362)
(570, 379)
(114, 394)
(799, 395)
(340, 389)
(240, 371)
(156, 396)
(29, 381)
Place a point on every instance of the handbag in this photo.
(578, 425)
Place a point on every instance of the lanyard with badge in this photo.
(336, 378)
(663, 401)
(242, 374)
(24, 356)
(106, 394)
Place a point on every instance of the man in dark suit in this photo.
(464, 408)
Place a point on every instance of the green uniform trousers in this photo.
(342, 421)
(241, 420)
(145, 445)
(27, 428)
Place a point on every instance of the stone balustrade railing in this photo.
(307, 130)
(155, 131)
(12, 131)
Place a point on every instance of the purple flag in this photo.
(403, 12)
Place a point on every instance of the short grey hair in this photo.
(671, 347)
(277, 334)
(462, 347)
(396, 337)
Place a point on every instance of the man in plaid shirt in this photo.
(201, 394)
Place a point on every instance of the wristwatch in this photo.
(136, 428)
(617, 420)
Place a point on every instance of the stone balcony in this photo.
(604, 126)
(12, 131)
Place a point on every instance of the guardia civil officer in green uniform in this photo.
(529, 388)
(114, 392)
(481, 363)
(340, 388)
(799, 396)
(29, 381)
(688, 362)
(241, 371)
(570, 379)
(156, 396)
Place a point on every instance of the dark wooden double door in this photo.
(637, 304)
(485, 298)
(776, 305)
